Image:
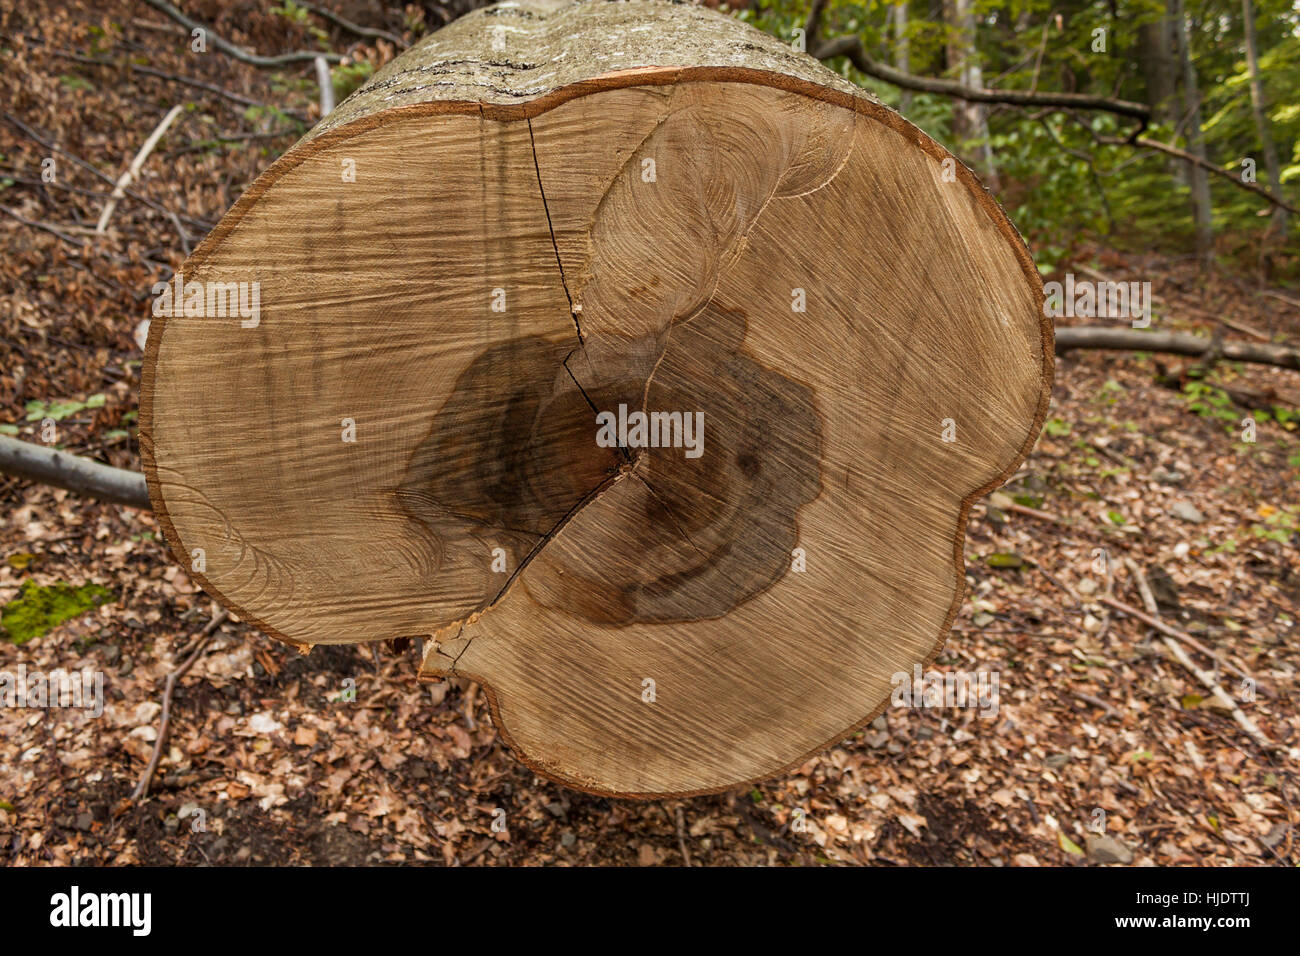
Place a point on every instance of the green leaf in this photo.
(1068, 845)
(61, 409)
(1056, 427)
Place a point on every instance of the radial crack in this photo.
(550, 226)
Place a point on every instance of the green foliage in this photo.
(1210, 401)
(1061, 187)
(302, 16)
(1279, 525)
(347, 78)
(37, 609)
(1056, 427)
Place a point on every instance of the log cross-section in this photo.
(638, 363)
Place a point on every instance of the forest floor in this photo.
(270, 761)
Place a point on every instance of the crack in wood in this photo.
(554, 245)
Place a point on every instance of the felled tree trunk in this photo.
(641, 365)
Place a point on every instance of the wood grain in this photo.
(505, 267)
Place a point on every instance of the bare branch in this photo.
(175, 78)
(851, 47)
(1148, 143)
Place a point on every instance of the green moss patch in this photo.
(41, 607)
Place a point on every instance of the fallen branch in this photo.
(176, 78)
(1016, 507)
(132, 171)
(681, 836)
(1165, 629)
(225, 46)
(164, 726)
(45, 227)
(1177, 343)
(37, 138)
(1199, 313)
(79, 475)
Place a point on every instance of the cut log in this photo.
(638, 363)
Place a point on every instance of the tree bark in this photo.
(534, 226)
(1198, 179)
(970, 118)
(1259, 111)
(902, 50)
(1159, 68)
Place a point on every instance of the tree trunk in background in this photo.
(1260, 111)
(1159, 69)
(902, 50)
(546, 219)
(1199, 180)
(970, 120)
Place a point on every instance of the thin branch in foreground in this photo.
(228, 48)
(45, 227)
(164, 726)
(132, 171)
(77, 160)
(79, 475)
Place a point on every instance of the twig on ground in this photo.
(1016, 508)
(1172, 632)
(132, 171)
(52, 230)
(681, 836)
(37, 138)
(1168, 635)
(1213, 317)
(177, 78)
(164, 726)
(1144, 588)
